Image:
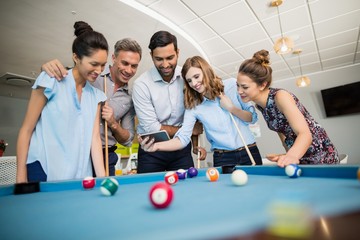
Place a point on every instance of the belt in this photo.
(111, 149)
(235, 150)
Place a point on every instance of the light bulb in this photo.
(284, 48)
(303, 83)
(283, 45)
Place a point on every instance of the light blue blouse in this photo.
(62, 137)
(218, 126)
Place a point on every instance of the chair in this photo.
(343, 158)
(7, 170)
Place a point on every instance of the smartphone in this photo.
(158, 136)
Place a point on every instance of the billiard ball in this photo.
(212, 174)
(358, 174)
(171, 178)
(88, 182)
(293, 170)
(192, 172)
(239, 177)
(181, 174)
(161, 195)
(109, 186)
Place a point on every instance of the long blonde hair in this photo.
(213, 84)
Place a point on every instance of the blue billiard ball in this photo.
(181, 174)
(192, 172)
(293, 170)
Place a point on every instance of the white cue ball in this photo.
(239, 177)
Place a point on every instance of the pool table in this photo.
(200, 209)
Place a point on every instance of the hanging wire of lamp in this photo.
(302, 81)
(284, 44)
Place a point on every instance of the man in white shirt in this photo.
(159, 104)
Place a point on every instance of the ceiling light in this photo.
(302, 81)
(284, 44)
(16, 80)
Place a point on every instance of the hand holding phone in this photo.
(158, 136)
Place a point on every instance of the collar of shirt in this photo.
(155, 75)
(216, 99)
(107, 73)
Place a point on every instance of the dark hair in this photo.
(211, 82)
(162, 39)
(87, 40)
(258, 68)
(127, 44)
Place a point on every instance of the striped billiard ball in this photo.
(293, 170)
(212, 174)
(171, 178)
(109, 186)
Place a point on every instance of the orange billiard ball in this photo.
(212, 174)
(358, 174)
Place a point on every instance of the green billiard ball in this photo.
(109, 186)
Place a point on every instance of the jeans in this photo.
(164, 161)
(237, 157)
(35, 172)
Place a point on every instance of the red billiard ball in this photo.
(171, 178)
(161, 195)
(181, 174)
(192, 172)
(212, 174)
(88, 182)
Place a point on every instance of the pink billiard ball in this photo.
(192, 172)
(88, 182)
(212, 174)
(171, 178)
(181, 174)
(161, 195)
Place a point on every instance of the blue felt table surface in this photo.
(200, 209)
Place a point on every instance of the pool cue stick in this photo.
(242, 139)
(106, 138)
(198, 154)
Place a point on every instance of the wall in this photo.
(344, 131)
(12, 113)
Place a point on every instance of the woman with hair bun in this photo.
(60, 135)
(304, 140)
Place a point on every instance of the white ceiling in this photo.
(227, 31)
